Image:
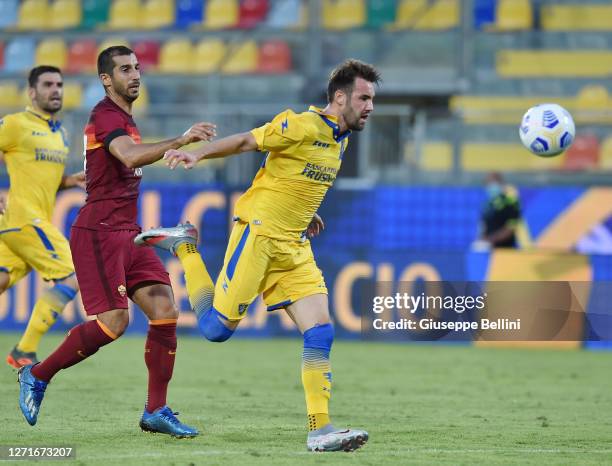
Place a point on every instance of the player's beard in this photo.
(351, 117)
(128, 95)
(49, 106)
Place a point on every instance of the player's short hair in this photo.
(105, 59)
(343, 77)
(36, 72)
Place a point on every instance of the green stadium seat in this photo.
(95, 13)
(65, 14)
(51, 52)
(381, 13)
(554, 63)
(343, 14)
(82, 56)
(33, 15)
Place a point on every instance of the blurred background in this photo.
(458, 76)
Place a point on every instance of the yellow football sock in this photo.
(200, 287)
(44, 315)
(316, 379)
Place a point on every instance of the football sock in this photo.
(81, 342)
(160, 351)
(316, 374)
(200, 287)
(44, 315)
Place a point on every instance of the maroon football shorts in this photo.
(109, 266)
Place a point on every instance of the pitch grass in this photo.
(422, 404)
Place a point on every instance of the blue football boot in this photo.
(164, 421)
(31, 393)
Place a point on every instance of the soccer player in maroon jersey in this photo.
(109, 267)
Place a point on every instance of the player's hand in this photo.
(199, 132)
(174, 157)
(315, 227)
(78, 179)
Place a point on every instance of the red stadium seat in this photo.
(82, 56)
(274, 57)
(583, 153)
(252, 12)
(1, 55)
(147, 52)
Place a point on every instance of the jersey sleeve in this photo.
(282, 133)
(9, 133)
(108, 125)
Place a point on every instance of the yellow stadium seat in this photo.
(65, 14)
(435, 156)
(577, 17)
(593, 105)
(408, 12)
(221, 14)
(125, 14)
(208, 56)
(176, 56)
(111, 41)
(73, 95)
(605, 155)
(241, 59)
(489, 156)
(343, 14)
(513, 15)
(444, 14)
(141, 104)
(51, 52)
(10, 97)
(33, 14)
(158, 14)
(554, 63)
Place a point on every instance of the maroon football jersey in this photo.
(112, 188)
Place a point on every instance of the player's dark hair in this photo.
(36, 72)
(105, 59)
(343, 77)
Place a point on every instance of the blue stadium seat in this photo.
(8, 13)
(484, 13)
(284, 14)
(189, 12)
(94, 93)
(19, 54)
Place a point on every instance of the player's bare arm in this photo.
(134, 155)
(76, 180)
(235, 144)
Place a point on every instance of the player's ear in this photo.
(106, 79)
(340, 97)
(31, 93)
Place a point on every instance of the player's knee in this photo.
(212, 327)
(116, 321)
(319, 337)
(168, 310)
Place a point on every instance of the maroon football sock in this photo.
(81, 342)
(160, 351)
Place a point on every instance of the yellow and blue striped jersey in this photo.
(304, 155)
(35, 152)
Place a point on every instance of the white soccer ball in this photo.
(547, 130)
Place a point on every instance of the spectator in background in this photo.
(501, 215)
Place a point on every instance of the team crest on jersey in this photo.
(122, 290)
(242, 308)
(138, 172)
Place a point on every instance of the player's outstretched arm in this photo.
(235, 144)
(134, 155)
(73, 181)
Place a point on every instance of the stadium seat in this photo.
(94, 93)
(605, 161)
(19, 54)
(513, 15)
(1, 55)
(208, 56)
(176, 56)
(10, 97)
(189, 13)
(95, 13)
(8, 13)
(408, 13)
(343, 14)
(242, 58)
(593, 104)
(51, 52)
(434, 157)
(141, 104)
(492, 156)
(583, 154)
(285, 14)
(33, 15)
(147, 52)
(274, 57)
(444, 14)
(554, 63)
(82, 56)
(576, 17)
(252, 13)
(73, 95)
(381, 13)
(158, 14)
(125, 14)
(65, 14)
(221, 14)
(484, 13)
(110, 41)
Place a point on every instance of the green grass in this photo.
(422, 404)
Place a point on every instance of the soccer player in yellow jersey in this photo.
(268, 250)
(35, 149)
